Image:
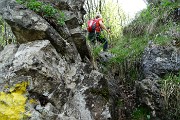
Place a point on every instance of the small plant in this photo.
(34, 5)
(141, 113)
(61, 18)
(48, 10)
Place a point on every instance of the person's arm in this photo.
(103, 26)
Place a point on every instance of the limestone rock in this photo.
(62, 90)
(159, 60)
(156, 63)
(28, 26)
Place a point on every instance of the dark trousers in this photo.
(97, 36)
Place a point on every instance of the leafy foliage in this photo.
(45, 10)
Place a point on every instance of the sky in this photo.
(131, 7)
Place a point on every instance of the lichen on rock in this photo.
(13, 103)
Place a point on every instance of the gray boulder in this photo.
(159, 60)
(156, 63)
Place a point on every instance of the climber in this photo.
(94, 35)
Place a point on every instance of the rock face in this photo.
(28, 26)
(61, 90)
(157, 62)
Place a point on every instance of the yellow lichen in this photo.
(12, 104)
(32, 101)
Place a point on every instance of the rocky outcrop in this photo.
(160, 60)
(156, 63)
(74, 12)
(28, 26)
(59, 90)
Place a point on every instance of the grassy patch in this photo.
(170, 90)
(152, 24)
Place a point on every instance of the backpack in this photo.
(91, 25)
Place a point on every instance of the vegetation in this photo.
(170, 90)
(141, 113)
(1, 31)
(6, 35)
(44, 9)
(151, 24)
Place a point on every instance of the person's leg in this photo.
(105, 46)
(102, 40)
(92, 38)
(98, 37)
